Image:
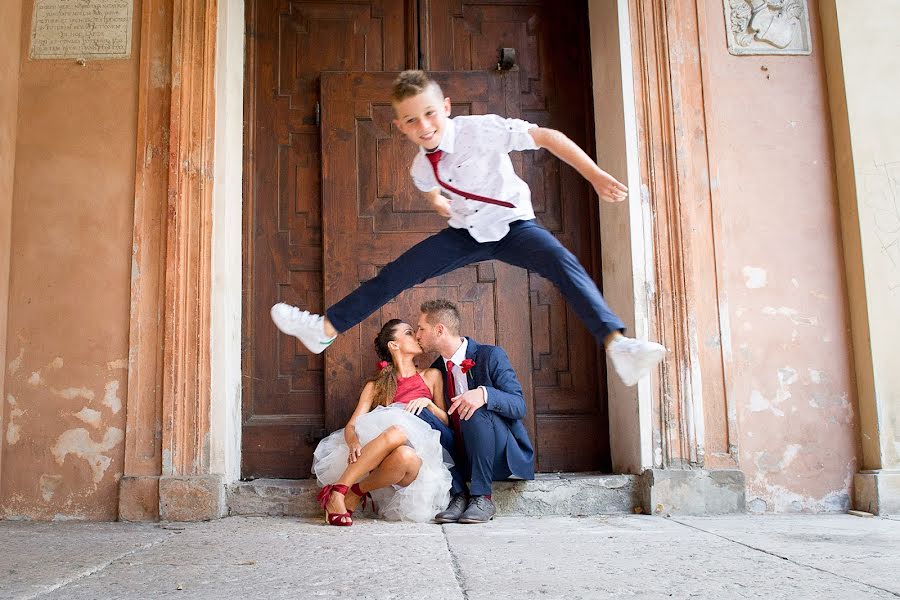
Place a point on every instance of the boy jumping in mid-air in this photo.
(465, 170)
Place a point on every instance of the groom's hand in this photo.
(467, 403)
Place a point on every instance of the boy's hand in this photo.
(441, 205)
(608, 187)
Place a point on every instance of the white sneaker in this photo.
(307, 327)
(633, 358)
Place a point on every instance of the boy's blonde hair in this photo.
(412, 83)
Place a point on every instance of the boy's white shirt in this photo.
(476, 160)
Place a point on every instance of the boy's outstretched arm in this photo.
(569, 152)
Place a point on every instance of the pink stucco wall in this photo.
(772, 167)
(69, 290)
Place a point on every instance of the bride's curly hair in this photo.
(385, 380)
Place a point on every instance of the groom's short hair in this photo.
(444, 312)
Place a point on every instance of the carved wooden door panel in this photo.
(552, 46)
(372, 213)
(289, 43)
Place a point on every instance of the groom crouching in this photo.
(486, 410)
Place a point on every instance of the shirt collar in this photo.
(460, 354)
(448, 139)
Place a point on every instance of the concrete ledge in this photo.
(693, 492)
(139, 499)
(194, 498)
(549, 494)
(877, 492)
(274, 497)
(574, 494)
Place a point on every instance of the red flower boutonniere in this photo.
(466, 365)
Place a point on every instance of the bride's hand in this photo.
(416, 406)
(355, 452)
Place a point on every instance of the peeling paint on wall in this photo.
(763, 496)
(111, 398)
(122, 363)
(792, 314)
(49, 484)
(78, 442)
(16, 363)
(12, 428)
(754, 277)
(72, 393)
(90, 416)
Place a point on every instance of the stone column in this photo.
(862, 60)
(167, 471)
(10, 30)
(694, 462)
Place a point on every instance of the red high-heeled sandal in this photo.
(366, 496)
(336, 519)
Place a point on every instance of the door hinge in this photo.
(318, 114)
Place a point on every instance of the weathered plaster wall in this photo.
(67, 336)
(772, 168)
(863, 57)
(870, 55)
(10, 24)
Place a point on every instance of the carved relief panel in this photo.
(767, 26)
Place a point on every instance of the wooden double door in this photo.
(328, 201)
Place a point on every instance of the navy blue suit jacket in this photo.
(494, 371)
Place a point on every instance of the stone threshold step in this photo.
(558, 494)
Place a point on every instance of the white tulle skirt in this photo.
(428, 495)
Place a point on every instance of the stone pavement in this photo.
(622, 556)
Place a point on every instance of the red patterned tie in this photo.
(454, 418)
(435, 157)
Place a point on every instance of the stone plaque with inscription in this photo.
(85, 29)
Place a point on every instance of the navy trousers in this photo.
(448, 443)
(485, 436)
(527, 245)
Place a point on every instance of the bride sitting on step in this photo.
(392, 453)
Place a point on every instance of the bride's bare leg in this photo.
(372, 455)
(400, 467)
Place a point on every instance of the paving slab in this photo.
(618, 556)
(276, 558)
(36, 558)
(629, 557)
(860, 549)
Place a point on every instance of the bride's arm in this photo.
(436, 383)
(362, 407)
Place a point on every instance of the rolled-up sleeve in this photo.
(506, 135)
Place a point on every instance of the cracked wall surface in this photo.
(791, 381)
(67, 330)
